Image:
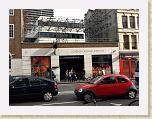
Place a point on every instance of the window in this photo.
(126, 41)
(9, 61)
(34, 81)
(138, 21)
(109, 80)
(11, 30)
(11, 12)
(134, 41)
(121, 80)
(124, 22)
(132, 21)
(21, 82)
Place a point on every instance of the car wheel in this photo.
(132, 94)
(88, 97)
(47, 96)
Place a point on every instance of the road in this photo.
(66, 97)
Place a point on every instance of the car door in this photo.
(106, 86)
(35, 89)
(122, 86)
(18, 88)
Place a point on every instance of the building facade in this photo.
(36, 59)
(117, 25)
(15, 39)
(128, 34)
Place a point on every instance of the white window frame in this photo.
(11, 12)
(12, 31)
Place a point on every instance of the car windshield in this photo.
(95, 80)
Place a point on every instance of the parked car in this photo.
(107, 85)
(24, 87)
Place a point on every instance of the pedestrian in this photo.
(67, 75)
(74, 77)
(53, 75)
(103, 71)
(83, 73)
(70, 75)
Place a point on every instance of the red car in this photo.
(107, 85)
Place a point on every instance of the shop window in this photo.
(132, 21)
(134, 41)
(40, 66)
(101, 64)
(11, 30)
(124, 22)
(126, 41)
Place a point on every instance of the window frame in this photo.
(124, 43)
(133, 22)
(11, 30)
(125, 23)
(134, 42)
(11, 12)
(105, 79)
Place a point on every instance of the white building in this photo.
(79, 56)
(57, 29)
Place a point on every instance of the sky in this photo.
(72, 13)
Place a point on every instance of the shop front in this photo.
(86, 61)
(128, 64)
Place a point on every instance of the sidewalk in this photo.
(78, 81)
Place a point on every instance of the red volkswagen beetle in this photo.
(107, 85)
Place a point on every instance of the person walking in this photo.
(53, 75)
(70, 75)
(67, 75)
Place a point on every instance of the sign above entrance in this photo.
(88, 50)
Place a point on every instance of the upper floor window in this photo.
(11, 30)
(9, 61)
(132, 21)
(11, 12)
(134, 41)
(138, 21)
(124, 22)
(126, 41)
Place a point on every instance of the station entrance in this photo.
(71, 62)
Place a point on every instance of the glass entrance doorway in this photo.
(71, 62)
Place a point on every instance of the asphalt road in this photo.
(66, 97)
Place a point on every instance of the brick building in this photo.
(15, 39)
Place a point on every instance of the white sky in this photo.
(72, 13)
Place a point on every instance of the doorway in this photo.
(69, 62)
